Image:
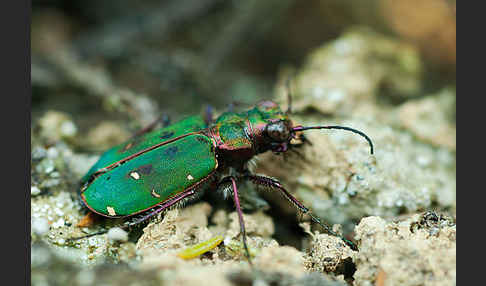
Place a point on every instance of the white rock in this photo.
(117, 234)
(40, 226)
(34, 191)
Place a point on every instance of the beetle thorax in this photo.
(242, 135)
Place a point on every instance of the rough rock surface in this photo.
(420, 250)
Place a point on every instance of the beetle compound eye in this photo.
(278, 131)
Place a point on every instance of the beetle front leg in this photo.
(240, 215)
(303, 141)
(274, 184)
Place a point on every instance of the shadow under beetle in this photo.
(158, 169)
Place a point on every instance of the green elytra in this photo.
(154, 176)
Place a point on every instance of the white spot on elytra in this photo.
(190, 178)
(135, 175)
(155, 194)
(111, 210)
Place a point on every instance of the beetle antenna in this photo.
(303, 128)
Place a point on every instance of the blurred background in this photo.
(184, 53)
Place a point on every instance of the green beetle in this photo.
(161, 168)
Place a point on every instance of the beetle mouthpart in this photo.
(303, 128)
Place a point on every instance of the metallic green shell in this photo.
(134, 145)
(231, 129)
(151, 178)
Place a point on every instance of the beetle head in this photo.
(273, 130)
(270, 127)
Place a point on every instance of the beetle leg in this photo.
(303, 141)
(160, 208)
(274, 184)
(164, 119)
(240, 215)
(231, 107)
(296, 151)
(208, 114)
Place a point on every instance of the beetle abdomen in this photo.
(153, 177)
